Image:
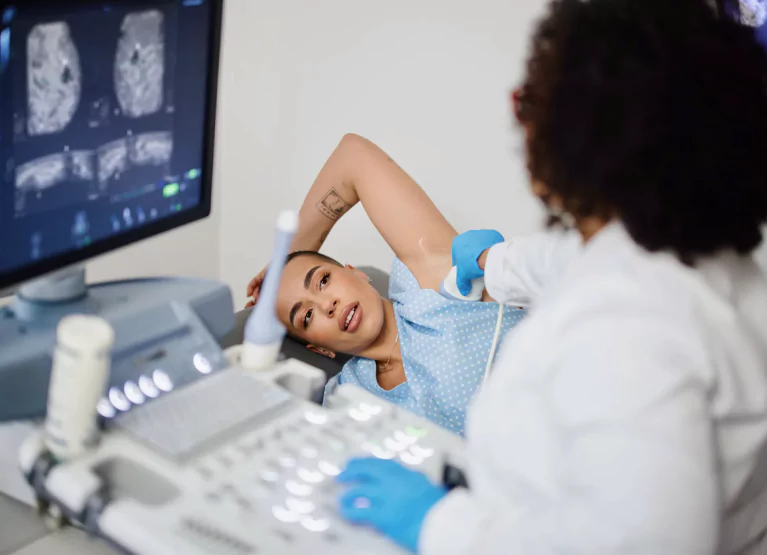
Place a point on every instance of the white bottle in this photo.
(81, 363)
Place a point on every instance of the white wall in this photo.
(428, 80)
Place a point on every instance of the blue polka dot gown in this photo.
(445, 346)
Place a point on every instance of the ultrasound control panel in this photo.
(235, 464)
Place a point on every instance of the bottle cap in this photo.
(85, 334)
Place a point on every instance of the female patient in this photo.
(415, 349)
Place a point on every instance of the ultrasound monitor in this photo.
(751, 13)
(107, 116)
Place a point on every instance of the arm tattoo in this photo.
(332, 206)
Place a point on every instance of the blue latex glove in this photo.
(467, 248)
(389, 497)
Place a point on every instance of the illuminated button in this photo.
(286, 461)
(118, 399)
(133, 393)
(423, 452)
(309, 452)
(299, 489)
(315, 524)
(148, 387)
(370, 409)
(394, 445)
(415, 431)
(328, 468)
(285, 515)
(358, 415)
(310, 476)
(378, 452)
(299, 505)
(317, 418)
(403, 438)
(202, 364)
(106, 409)
(162, 380)
(408, 458)
(270, 476)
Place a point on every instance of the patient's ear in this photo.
(321, 351)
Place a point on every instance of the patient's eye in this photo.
(308, 317)
(324, 280)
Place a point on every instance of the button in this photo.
(315, 524)
(358, 415)
(310, 476)
(148, 387)
(309, 452)
(299, 489)
(162, 380)
(299, 505)
(202, 364)
(213, 496)
(408, 458)
(270, 476)
(416, 431)
(225, 461)
(370, 409)
(285, 515)
(328, 468)
(243, 503)
(394, 445)
(106, 409)
(317, 418)
(286, 461)
(378, 452)
(423, 452)
(133, 393)
(118, 399)
(403, 438)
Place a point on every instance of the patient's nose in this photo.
(331, 308)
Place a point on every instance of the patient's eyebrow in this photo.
(309, 276)
(293, 312)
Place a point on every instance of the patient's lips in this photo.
(350, 317)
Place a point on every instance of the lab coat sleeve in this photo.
(517, 271)
(628, 452)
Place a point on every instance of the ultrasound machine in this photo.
(107, 112)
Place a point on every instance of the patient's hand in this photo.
(254, 288)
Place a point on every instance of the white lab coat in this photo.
(625, 415)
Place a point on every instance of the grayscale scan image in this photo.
(140, 64)
(151, 149)
(83, 165)
(42, 173)
(54, 78)
(113, 160)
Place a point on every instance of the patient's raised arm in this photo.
(359, 171)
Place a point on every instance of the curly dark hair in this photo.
(655, 112)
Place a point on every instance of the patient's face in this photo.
(329, 306)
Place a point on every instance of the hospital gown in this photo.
(445, 346)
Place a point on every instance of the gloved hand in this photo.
(389, 497)
(467, 248)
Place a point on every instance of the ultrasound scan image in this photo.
(113, 160)
(151, 149)
(42, 173)
(54, 78)
(140, 64)
(82, 164)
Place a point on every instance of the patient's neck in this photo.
(384, 345)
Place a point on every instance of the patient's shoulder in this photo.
(401, 280)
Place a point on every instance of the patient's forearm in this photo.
(331, 196)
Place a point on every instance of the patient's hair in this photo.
(654, 112)
(298, 254)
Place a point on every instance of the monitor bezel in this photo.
(16, 277)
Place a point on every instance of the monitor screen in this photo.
(752, 13)
(106, 126)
